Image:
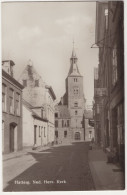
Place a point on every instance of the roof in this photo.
(30, 69)
(27, 104)
(11, 62)
(51, 91)
(74, 71)
(34, 114)
(63, 111)
(6, 75)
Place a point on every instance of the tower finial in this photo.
(73, 50)
(30, 63)
(73, 43)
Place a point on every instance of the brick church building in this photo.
(74, 101)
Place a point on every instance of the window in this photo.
(75, 79)
(106, 18)
(56, 115)
(17, 104)
(114, 66)
(36, 83)
(98, 109)
(11, 101)
(76, 104)
(62, 123)
(56, 134)
(76, 112)
(77, 136)
(39, 131)
(65, 133)
(90, 134)
(56, 123)
(44, 132)
(4, 96)
(68, 123)
(76, 90)
(25, 83)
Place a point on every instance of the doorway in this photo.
(13, 137)
(35, 134)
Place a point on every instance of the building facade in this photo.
(89, 125)
(34, 126)
(96, 109)
(11, 109)
(74, 100)
(110, 40)
(39, 95)
(50, 110)
(63, 134)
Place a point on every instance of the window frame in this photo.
(56, 123)
(4, 92)
(11, 100)
(18, 108)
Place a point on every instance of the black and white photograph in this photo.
(63, 96)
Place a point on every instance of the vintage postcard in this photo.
(63, 126)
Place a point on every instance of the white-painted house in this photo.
(41, 97)
(34, 126)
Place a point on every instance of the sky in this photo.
(44, 32)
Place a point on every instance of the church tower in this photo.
(75, 98)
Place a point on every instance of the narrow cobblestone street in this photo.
(62, 168)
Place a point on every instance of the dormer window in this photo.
(7, 66)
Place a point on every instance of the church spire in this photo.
(74, 71)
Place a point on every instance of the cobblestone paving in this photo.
(63, 168)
